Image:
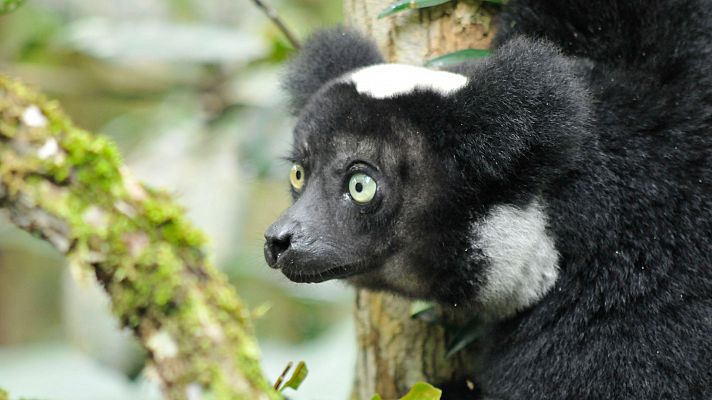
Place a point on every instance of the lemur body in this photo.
(562, 188)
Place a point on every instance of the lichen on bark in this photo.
(69, 187)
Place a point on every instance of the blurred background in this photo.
(189, 90)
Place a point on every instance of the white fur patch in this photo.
(388, 80)
(523, 262)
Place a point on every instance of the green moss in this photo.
(158, 212)
(7, 129)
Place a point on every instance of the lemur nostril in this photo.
(280, 245)
(275, 246)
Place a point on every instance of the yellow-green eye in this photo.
(296, 177)
(362, 188)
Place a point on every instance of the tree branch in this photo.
(274, 16)
(68, 186)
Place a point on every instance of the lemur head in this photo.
(422, 182)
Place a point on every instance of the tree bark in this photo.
(69, 187)
(395, 351)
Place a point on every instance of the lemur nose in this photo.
(276, 243)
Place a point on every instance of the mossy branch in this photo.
(69, 187)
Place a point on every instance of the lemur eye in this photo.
(362, 188)
(296, 177)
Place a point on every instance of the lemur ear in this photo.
(326, 55)
(530, 108)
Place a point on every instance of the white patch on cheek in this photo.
(522, 259)
(383, 81)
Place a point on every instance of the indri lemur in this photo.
(561, 187)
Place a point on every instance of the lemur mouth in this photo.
(301, 276)
(295, 274)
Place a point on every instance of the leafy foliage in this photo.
(403, 5)
(465, 335)
(424, 311)
(423, 391)
(7, 6)
(300, 373)
(419, 391)
(457, 57)
(298, 376)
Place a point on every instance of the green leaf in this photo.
(457, 57)
(403, 5)
(7, 6)
(376, 397)
(423, 391)
(262, 309)
(424, 310)
(472, 331)
(494, 1)
(3, 395)
(419, 306)
(300, 373)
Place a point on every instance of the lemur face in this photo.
(364, 183)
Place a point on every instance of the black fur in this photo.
(631, 316)
(326, 55)
(603, 109)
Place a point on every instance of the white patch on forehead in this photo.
(522, 259)
(383, 81)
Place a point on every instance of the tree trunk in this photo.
(395, 351)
